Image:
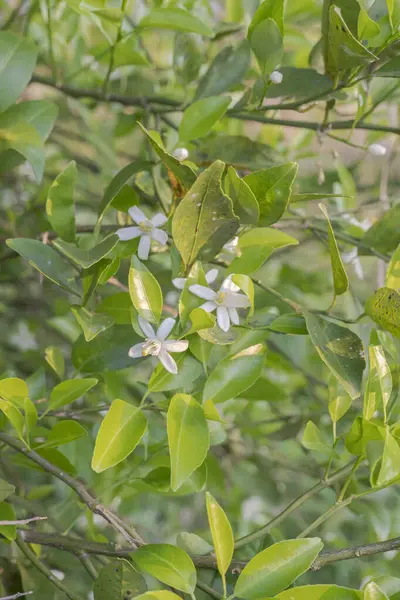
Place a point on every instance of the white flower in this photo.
(211, 276)
(231, 245)
(147, 230)
(181, 153)
(276, 77)
(156, 344)
(376, 150)
(226, 301)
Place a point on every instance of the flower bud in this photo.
(376, 150)
(180, 153)
(276, 77)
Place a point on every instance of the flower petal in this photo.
(234, 300)
(167, 361)
(233, 315)
(165, 328)
(223, 318)
(208, 306)
(159, 219)
(159, 236)
(146, 327)
(144, 247)
(176, 345)
(203, 292)
(211, 276)
(128, 233)
(229, 286)
(179, 282)
(136, 351)
(136, 214)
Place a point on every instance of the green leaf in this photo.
(57, 459)
(236, 150)
(269, 9)
(64, 432)
(60, 203)
(389, 69)
(188, 302)
(92, 323)
(272, 189)
(189, 370)
(127, 52)
(193, 544)
(118, 581)
(55, 360)
(340, 349)
(158, 595)
(394, 14)
(18, 59)
(188, 438)
(393, 271)
(245, 205)
(321, 592)
(120, 432)
(339, 400)
(390, 466)
(118, 306)
(68, 391)
(182, 172)
(14, 416)
(234, 375)
(47, 261)
(7, 513)
(267, 45)
(107, 352)
(245, 283)
(289, 323)
(384, 235)
(204, 220)
(373, 592)
(379, 383)
(340, 279)
(176, 19)
(308, 197)
(275, 568)
(367, 28)
(6, 489)
(31, 417)
(384, 308)
(13, 389)
(222, 536)
(145, 291)
(118, 181)
(314, 440)
(227, 69)
(169, 564)
(201, 116)
(87, 258)
(362, 432)
(256, 246)
(24, 139)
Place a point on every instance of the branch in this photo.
(356, 552)
(17, 595)
(23, 522)
(91, 502)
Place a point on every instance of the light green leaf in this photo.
(361, 433)
(340, 349)
(118, 581)
(394, 14)
(176, 19)
(222, 536)
(319, 592)
(184, 173)
(87, 258)
(92, 323)
(64, 432)
(256, 246)
(60, 203)
(269, 9)
(373, 592)
(14, 390)
(188, 438)
(31, 416)
(340, 279)
(204, 220)
(379, 383)
(201, 116)
(14, 416)
(390, 466)
(127, 53)
(6, 489)
(367, 27)
(24, 139)
(314, 440)
(55, 360)
(289, 323)
(120, 432)
(118, 306)
(384, 308)
(275, 568)
(189, 370)
(393, 271)
(234, 375)
(169, 564)
(18, 59)
(158, 595)
(267, 45)
(245, 205)
(272, 189)
(339, 400)
(245, 283)
(7, 513)
(308, 197)
(200, 319)
(193, 544)
(47, 261)
(188, 301)
(68, 391)
(145, 291)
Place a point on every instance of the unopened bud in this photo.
(276, 77)
(376, 150)
(180, 153)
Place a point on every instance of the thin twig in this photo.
(23, 521)
(17, 595)
(355, 552)
(113, 48)
(50, 40)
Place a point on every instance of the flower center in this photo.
(220, 298)
(151, 347)
(146, 226)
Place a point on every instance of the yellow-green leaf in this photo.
(60, 203)
(384, 308)
(222, 536)
(169, 564)
(340, 279)
(393, 271)
(379, 383)
(145, 291)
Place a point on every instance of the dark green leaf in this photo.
(340, 279)
(18, 59)
(60, 203)
(87, 258)
(118, 581)
(384, 235)
(289, 323)
(236, 150)
(107, 352)
(6, 489)
(245, 205)
(201, 116)
(24, 139)
(227, 69)
(92, 323)
(189, 370)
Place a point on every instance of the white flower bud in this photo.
(180, 153)
(376, 150)
(276, 77)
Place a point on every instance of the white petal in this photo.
(179, 282)
(136, 351)
(223, 318)
(234, 300)
(168, 362)
(159, 219)
(165, 328)
(176, 345)
(128, 233)
(211, 276)
(159, 236)
(144, 247)
(136, 214)
(208, 306)
(229, 286)
(203, 292)
(146, 327)
(233, 315)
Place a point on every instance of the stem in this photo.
(112, 55)
(325, 516)
(296, 307)
(23, 521)
(208, 590)
(50, 40)
(15, 596)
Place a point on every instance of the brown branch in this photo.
(356, 552)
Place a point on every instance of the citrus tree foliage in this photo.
(199, 305)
